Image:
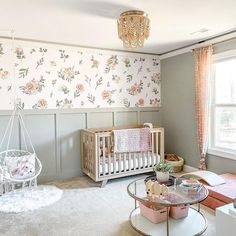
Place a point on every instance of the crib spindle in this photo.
(162, 144)
(129, 168)
(153, 153)
(119, 163)
(134, 161)
(91, 160)
(89, 155)
(103, 156)
(114, 163)
(138, 154)
(148, 159)
(143, 159)
(156, 147)
(124, 161)
(109, 154)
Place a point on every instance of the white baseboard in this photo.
(187, 168)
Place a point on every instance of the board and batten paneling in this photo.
(41, 128)
(69, 126)
(126, 118)
(100, 119)
(55, 134)
(150, 117)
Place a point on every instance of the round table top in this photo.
(177, 195)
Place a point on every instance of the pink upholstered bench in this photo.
(221, 194)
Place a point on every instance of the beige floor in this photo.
(84, 210)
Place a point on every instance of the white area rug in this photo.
(85, 209)
(29, 199)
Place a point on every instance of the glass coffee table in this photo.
(194, 224)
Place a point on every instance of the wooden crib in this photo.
(101, 163)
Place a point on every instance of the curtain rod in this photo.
(213, 40)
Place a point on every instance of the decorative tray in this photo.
(167, 183)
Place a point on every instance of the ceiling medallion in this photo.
(133, 28)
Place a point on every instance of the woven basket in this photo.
(177, 165)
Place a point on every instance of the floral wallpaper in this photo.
(53, 77)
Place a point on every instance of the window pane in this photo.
(225, 80)
(225, 136)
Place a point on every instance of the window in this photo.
(223, 106)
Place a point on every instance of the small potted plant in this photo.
(163, 170)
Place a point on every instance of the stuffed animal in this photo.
(24, 169)
(149, 188)
(21, 167)
(154, 189)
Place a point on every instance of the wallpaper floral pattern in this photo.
(50, 77)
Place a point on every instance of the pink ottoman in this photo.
(221, 194)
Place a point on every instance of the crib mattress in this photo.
(135, 163)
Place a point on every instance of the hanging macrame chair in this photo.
(19, 168)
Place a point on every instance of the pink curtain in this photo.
(203, 62)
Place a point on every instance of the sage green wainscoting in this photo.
(56, 134)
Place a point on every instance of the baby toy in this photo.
(154, 189)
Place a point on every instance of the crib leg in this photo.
(104, 182)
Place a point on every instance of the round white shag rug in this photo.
(29, 199)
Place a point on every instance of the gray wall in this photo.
(178, 110)
(56, 138)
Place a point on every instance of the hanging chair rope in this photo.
(10, 130)
(7, 128)
(23, 137)
(19, 156)
(26, 131)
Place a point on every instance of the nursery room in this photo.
(117, 118)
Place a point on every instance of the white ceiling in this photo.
(93, 23)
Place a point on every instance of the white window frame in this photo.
(212, 149)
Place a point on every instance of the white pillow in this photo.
(21, 167)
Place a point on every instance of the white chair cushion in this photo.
(21, 167)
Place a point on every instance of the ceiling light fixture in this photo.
(133, 28)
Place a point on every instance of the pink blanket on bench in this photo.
(221, 194)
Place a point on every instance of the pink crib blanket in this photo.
(132, 140)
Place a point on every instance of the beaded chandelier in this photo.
(133, 28)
